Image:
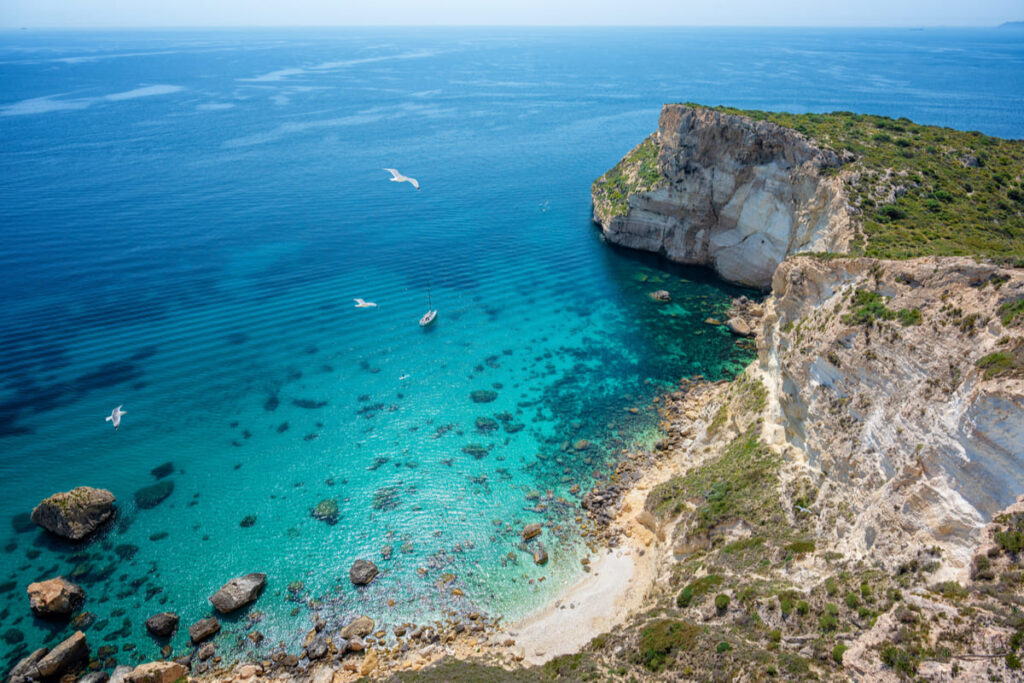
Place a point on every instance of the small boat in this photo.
(431, 313)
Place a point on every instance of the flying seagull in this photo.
(364, 304)
(115, 416)
(397, 177)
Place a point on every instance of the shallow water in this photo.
(186, 217)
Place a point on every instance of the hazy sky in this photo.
(84, 13)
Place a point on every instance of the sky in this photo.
(172, 13)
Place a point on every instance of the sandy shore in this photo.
(618, 583)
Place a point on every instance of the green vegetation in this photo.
(960, 193)
(722, 602)
(869, 307)
(741, 483)
(723, 647)
(1009, 363)
(899, 660)
(1011, 313)
(801, 547)
(637, 172)
(837, 653)
(659, 640)
(1011, 538)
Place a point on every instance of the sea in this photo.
(186, 217)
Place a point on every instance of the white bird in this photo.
(115, 416)
(397, 177)
(364, 304)
(405, 376)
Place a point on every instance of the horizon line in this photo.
(442, 26)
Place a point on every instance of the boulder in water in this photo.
(203, 629)
(326, 511)
(238, 592)
(162, 625)
(56, 597)
(661, 295)
(362, 572)
(61, 658)
(161, 471)
(483, 396)
(76, 513)
(531, 530)
(360, 627)
(157, 672)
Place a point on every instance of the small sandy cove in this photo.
(618, 584)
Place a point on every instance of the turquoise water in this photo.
(186, 217)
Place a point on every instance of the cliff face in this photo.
(879, 380)
(732, 193)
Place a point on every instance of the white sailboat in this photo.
(431, 313)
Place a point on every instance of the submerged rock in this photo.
(157, 672)
(483, 396)
(56, 597)
(162, 625)
(26, 670)
(203, 629)
(362, 572)
(326, 511)
(161, 471)
(149, 497)
(360, 627)
(531, 530)
(476, 450)
(661, 295)
(238, 592)
(22, 523)
(76, 513)
(540, 554)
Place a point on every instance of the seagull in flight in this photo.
(115, 416)
(364, 304)
(397, 177)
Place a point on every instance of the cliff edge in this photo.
(727, 191)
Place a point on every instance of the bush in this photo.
(775, 635)
(723, 647)
(658, 641)
(801, 547)
(829, 621)
(837, 653)
(899, 660)
(685, 597)
(852, 600)
(1012, 661)
(830, 586)
(803, 608)
(721, 602)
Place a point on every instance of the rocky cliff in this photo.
(727, 191)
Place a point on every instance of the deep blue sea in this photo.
(186, 217)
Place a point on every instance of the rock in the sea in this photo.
(56, 597)
(161, 471)
(362, 572)
(203, 629)
(120, 674)
(157, 672)
(149, 497)
(540, 554)
(531, 530)
(326, 511)
(163, 624)
(26, 670)
(61, 658)
(238, 592)
(359, 627)
(22, 523)
(739, 327)
(483, 396)
(95, 677)
(661, 295)
(76, 513)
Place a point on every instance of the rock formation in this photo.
(362, 572)
(55, 597)
(75, 514)
(203, 629)
(731, 193)
(157, 672)
(162, 625)
(238, 592)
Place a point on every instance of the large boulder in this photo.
(531, 531)
(238, 592)
(61, 658)
(157, 672)
(362, 572)
(56, 597)
(203, 629)
(76, 513)
(26, 670)
(162, 625)
(360, 627)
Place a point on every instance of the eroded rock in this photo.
(238, 592)
(56, 597)
(76, 513)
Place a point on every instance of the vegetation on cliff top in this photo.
(923, 190)
(637, 172)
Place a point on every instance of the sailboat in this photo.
(431, 313)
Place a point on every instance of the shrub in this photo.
(721, 602)
(829, 620)
(658, 641)
(1012, 661)
(723, 647)
(899, 660)
(801, 547)
(803, 608)
(830, 586)
(685, 597)
(852, 600)
(775, 635)
(837, 653)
